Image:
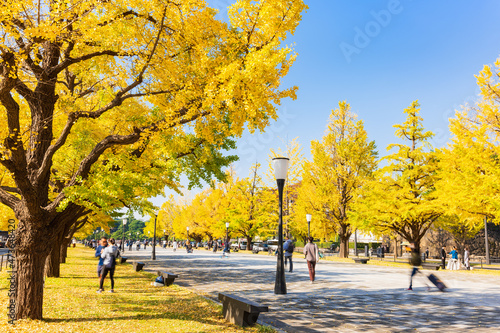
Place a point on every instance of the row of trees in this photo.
(345, 187)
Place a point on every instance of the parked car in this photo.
(260, 246)
(235, 247)
(243, 245)
(273, 244)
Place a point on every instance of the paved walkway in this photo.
(345, 297)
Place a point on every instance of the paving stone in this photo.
(345, 297)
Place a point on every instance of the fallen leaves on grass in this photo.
(71, 303)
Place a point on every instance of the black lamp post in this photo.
(486, 245)
(227, 233)
(124, 221)
(308, 218)
(153, 255)
(280, 165)
(187, 233)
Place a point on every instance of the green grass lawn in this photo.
(71, 303)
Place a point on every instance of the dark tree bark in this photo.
(30, 263)
(53, 261)
(67, 239)
(64, 250)
(58, 241)
(249, 243)
(344, 235)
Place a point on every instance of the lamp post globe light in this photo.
(280, 165)
(124, 220)
(308, 218)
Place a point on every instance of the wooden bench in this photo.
(360, 260)
(431, 266)
(123, 260)
(168, 278)
(138, 265)
(240, 311)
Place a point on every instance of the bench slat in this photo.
(239, 310)
(361, 260)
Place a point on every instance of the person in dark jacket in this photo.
(102, 245)
(443, 258)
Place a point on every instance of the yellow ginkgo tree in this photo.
(342, 163)
(402, 197)
(470, 164)
(104, 99)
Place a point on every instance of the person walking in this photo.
(416, 262)
(226, 250)
(312, 256)
(109, 255)
(466, 258)
(443, 258)
(189, 247)
(174, 245)
(289, 247)
(102, 244)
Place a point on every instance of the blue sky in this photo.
(379, 56)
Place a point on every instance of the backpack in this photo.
(290, 248)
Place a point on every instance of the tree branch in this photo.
(70, 61)
(10, 189)
(8, 199)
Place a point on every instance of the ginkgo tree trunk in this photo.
(103, 98)
(342, 163)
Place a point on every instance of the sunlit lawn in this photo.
(71, 304)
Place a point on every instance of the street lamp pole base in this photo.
(280, 284)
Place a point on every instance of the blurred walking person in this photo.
(289, 247)
(312, 256)
(416, 262)
(466, 258)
